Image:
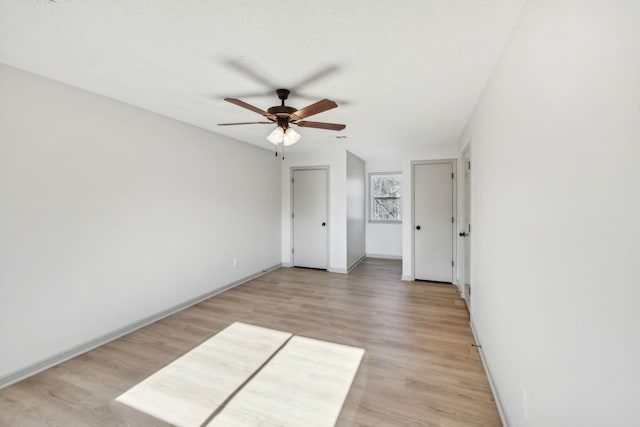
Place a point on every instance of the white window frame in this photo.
(372, 197)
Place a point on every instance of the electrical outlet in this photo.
(525, 401)
(235, 262)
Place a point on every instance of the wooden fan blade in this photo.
(321, 125)
(243, 104)
(247, 71)
(310, 110)
(245, 123)
(320, 74)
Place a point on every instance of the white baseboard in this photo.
(34, 368)
(337, 270)
(356, 263)
(384, 256)
(407, 278)
(496, 396)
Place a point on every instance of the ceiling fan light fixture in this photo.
(291, 137)
(276, 136)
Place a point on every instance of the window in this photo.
(385, 197)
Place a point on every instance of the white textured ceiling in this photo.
(404, 72)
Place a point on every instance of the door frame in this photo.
(454, 227)
(292, 169)
(466, 211)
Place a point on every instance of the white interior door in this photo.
(466, 233)
(310, 222)
(433, 221)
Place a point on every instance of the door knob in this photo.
(462, 234)
(324, 223)
(418, 227)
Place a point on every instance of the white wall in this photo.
(109, 214)
(411, 154)
(384, 239)
(337, 162)
(555, 208)
(356, 218)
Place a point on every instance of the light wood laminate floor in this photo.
(419, 368)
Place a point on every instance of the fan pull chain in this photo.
(282, 151)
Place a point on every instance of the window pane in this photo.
(386, 209)
(385, 186)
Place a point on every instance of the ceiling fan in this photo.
(284, 116)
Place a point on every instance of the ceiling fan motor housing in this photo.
(282, 111)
